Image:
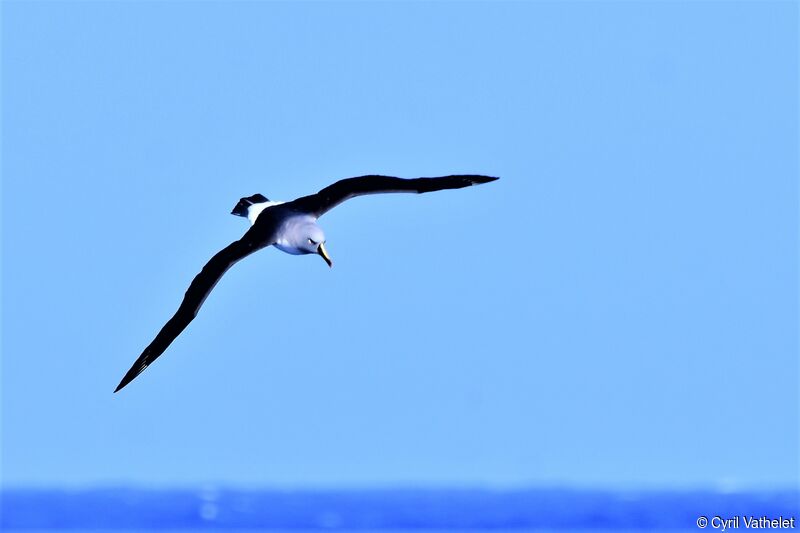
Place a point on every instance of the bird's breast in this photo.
(293, 232)
(289, 249)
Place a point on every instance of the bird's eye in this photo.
(311, 241)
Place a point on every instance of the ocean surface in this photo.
(369, 511)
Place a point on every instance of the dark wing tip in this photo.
(124, 382)
(121, 385)
(131, 374)
(477, 180)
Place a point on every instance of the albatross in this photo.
(292, 228)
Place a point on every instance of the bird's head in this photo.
(313, 242)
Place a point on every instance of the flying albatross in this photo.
(289, 226)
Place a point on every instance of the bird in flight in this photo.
(290, 227)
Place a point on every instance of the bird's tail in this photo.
(241, 209)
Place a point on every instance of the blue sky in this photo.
(619, 310)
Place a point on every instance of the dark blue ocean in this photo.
(388, 510)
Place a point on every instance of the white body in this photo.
(293, 228)
(254, 210)
(295, 232)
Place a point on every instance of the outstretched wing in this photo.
(195, 295)
(331, 196)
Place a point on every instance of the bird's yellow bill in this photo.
(324, 253)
